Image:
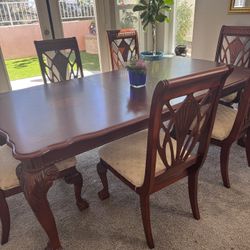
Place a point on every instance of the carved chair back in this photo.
(123, 46)
(59, 59)
(234, 46)
(191, 122)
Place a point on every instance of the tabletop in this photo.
(48, 117)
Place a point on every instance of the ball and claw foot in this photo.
(82, 204)
(103, 194)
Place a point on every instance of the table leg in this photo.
(36, 184)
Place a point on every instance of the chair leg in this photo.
(242, 141)
(247, 145)
(102, 172)
(224, 160)
(75, 178)
(145, 212)
(5, 218)
(193, 191)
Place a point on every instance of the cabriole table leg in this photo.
(35, 185)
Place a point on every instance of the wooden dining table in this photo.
(49, 123)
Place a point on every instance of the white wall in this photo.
(210, 15)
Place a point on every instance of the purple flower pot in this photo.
(137, 79)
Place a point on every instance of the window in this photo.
(125, 17)
(240, 3)
(184, 23)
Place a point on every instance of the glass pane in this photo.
(19, 27)
(240, 3)
(128, 18)
(184, 23)
(78, 18)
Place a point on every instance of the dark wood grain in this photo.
(192, 123)
(45, 118)
(233, 46)
(46, 124)
(240, 129)
(59, 59)
(123, 45)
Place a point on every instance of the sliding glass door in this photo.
(78, 20)
(19, 28)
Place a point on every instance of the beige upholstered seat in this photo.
(8, 178)
(224, 122)
(128, 157)
(229, 98)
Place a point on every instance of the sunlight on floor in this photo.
(35, 81)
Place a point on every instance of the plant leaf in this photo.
(167, 19)
(143, 14)
(160, 17)
(143, 2)
(166, 7)
(169, 2)
(139, 8)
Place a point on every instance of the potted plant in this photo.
(137, 73)
(153, 12)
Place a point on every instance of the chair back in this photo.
(234, 46)
(59, 59)
(123, 46)
(179, 134)
(242, 120)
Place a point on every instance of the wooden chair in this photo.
(150, 160)
(230, 125)
(123, 46)
(59, 59)
(9, 184)
(233, 48)
(62, 60)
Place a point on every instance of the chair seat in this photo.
(128, 157)
(229, 98)
(224, 122)
(8, 165)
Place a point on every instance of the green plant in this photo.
(136, 66)
(128, 19)
(184, 21)
(153, 12)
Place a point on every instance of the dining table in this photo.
(49, 123)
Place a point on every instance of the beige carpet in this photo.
(116, 222)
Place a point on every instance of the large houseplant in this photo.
(153, 12)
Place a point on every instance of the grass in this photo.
(23, 68)
(90, 62)
(29, 67)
